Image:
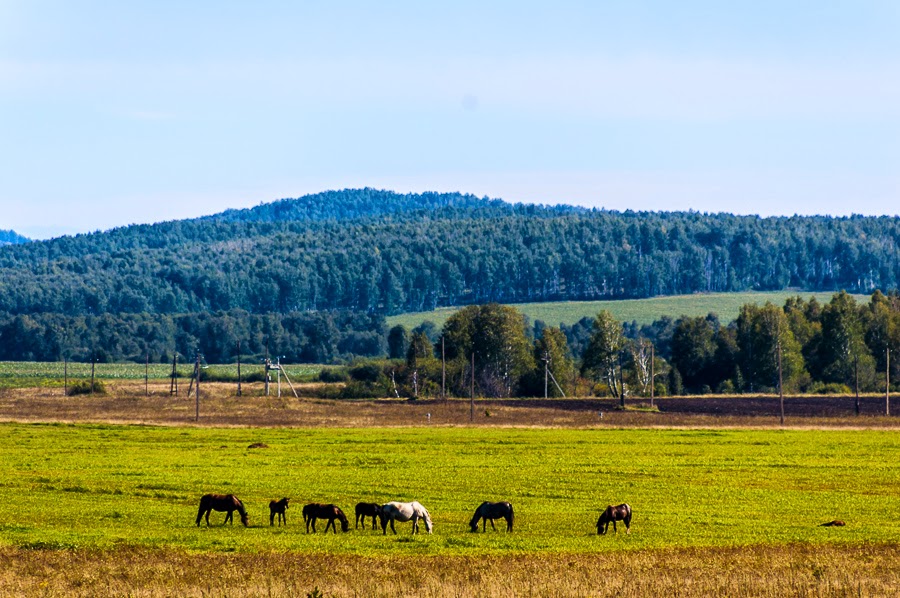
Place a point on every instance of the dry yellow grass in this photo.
(871, 570)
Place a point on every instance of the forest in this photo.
(801, 347)
(379, 252)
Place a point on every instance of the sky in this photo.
(113, 113)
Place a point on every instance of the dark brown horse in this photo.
(314, 511)
(278, 507)
(221, 502)
(488, 511)
(611, 515)
(367, 509)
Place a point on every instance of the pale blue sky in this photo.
(113, 113)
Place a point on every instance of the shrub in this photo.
(83, 387)
(333, 375)
(830, 388)
(367, 372)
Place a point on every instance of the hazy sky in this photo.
(117, 112)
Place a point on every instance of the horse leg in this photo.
(493, 527)
(199, 516)
(509, 522)
(393, 529)
(615, 531)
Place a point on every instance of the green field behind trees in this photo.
(104, 487)
(643, 311)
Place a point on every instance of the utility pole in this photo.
(652, 374)
(546, 361)
(472, 391)
(887, 384)
(268, 366)
(239, 367)
(173, 385)
(66, 376)
(443, 371)
(780, 384)
(197, 396)
(147, 374)
(856, 375)
(93, 361)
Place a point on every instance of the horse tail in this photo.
(511, 516)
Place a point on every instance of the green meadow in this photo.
(644, 311)
(105, 487)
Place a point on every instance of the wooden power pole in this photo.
(780, 384)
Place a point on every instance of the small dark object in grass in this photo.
(257, 445)
(834, 523)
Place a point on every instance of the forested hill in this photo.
(380, 252)
(10, 237)
(351, 204)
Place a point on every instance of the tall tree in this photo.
(496, 335)
(602, 357)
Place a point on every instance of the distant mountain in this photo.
(9, 237)
(380, 252)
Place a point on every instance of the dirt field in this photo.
(128, 403)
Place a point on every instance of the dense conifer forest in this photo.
(11, 237)
(383, 253)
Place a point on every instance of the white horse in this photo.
(404, 511)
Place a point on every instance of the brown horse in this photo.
(221, 502)
(367, 509)
(611, 515)
(278, 507)
(488, 511)
(314, 511)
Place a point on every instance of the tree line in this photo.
(803, 347)
(384, 253)
(319, 337)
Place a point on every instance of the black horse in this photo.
(221, 502)
(314, 511)
(612, 514)
(278, 507)
(367, 509)
(488, 511)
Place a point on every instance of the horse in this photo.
(404, 511)
(367, 509)
(221, 502)
(488, 511)
(612, 514)
(314, 511)
(278, 507)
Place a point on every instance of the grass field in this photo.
(101, 487)
(644, 311)
(109, 509)
(14, 374)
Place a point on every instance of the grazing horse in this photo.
(404, 511)
(314, 511)
(488, 511)
(612, 514)
(367, 509)
(221, 502)
(278, 507)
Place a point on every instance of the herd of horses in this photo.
(386, 514)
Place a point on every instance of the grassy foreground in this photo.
(109, 510)
(726, 305)
(100, 487)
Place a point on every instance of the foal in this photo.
(367, 509)
(278, 507)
